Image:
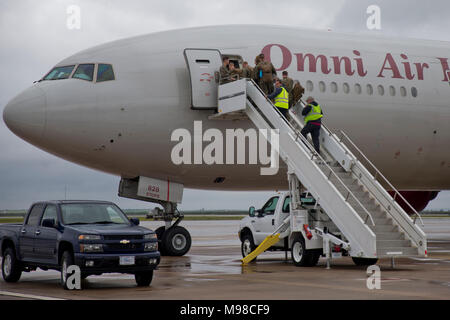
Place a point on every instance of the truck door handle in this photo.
(38, 232)
(23, 231)
(273, 222)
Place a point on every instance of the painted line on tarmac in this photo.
(27, 296)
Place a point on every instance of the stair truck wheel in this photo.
(11, 270)
(159, 234)
(364, 261)
(247, 245)
(176, 241)
(143, 279)
(300, 256)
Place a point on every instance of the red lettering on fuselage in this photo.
(445, 68)
(349, 66)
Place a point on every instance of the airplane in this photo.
(114, 107)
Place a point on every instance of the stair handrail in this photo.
(317, 155)
(379, 174)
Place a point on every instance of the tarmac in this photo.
(212, 270)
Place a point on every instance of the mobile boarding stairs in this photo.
(369, 219)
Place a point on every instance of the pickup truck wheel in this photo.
(302, 257)
(247, 245)
(143, 279)
(176, 241)
(66, 261)
(364, 261)
(11, 270)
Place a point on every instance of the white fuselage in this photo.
(124, 126)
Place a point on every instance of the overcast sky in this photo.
(34, 36)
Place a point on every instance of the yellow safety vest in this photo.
(314, 114)
(282, 100)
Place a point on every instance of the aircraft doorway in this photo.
(203, 65)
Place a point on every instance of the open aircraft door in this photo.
(203, 64)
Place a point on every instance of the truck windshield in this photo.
(92, 213)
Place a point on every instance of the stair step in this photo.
(393, 243)
(381, 228)
(389, 236)
(397, 251)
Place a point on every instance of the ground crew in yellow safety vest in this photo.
(280, 98)
(313, 120)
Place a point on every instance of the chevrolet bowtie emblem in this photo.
(124, 241)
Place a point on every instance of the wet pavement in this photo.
(212, 270)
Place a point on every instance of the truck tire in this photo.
(143, 279)
(364, 261)
(66, 261)
(160, 233)
(302, 257)
(11, 270)
(247, 245)
(176, 241)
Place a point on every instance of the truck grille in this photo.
(123, 237)
(119, 247)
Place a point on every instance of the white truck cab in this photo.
(305, 245)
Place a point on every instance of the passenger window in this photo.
(414, 92)
(346, 87)
(59, 73)
(392, 91)
(84, 72)
(270, 206)
(322, 86)
(35, 215)
(358, 88)
(381, 90)
(309, 85)
(334, 87)
(403, 91)
(49, 213)
(369, 89)
(287, 202)
(105, 72)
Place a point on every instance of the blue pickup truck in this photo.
(94, 235)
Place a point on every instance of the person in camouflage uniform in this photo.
(265, 71)
(288, 84)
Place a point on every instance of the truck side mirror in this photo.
(49, 223)
(135, 221)
(251, 211)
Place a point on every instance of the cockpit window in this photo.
(105, 72)
(84, 72)
(59, 73)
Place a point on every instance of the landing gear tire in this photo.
(364, 261)
(176, 241)
(247, 245)
(11, 270)
(143, 279)
(302, 257)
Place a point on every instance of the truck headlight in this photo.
(89, 237)
(89, 248)
(151, 246)
(150, 236)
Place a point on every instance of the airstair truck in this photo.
(353, 209)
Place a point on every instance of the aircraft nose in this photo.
(25, 114)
